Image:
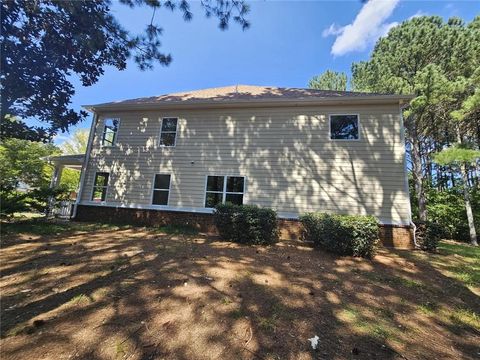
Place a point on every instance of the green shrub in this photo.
(342, 234)
(12, 202)
(246, 224)
(428, 234)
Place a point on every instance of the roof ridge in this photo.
(247, 93)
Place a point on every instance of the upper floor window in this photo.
(161, 189)
(223, 189)
(344, 127)
(110, 132)
(168, 133)
(100, 186)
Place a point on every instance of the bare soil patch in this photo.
(138, 293)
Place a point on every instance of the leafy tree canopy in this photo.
(44, 42)
(413, 45)
(457, 155)
(329, 80)
(20, 161)
(76, 144)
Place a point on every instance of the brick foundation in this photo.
(400, 237)
(396, 236)
(200, 221)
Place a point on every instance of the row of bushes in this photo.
(341, 234)
(353, 235)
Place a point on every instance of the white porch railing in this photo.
(63, 209)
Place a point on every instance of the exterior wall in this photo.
(290, 229)
(286, 155)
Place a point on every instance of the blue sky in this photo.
(287, 44)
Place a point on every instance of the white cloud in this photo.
(368, 26)
(332, 30)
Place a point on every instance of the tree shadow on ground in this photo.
(143, 295)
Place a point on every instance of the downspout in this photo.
(85, 164)
(407, 188)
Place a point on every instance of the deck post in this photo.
(54, 182)
(56, 176)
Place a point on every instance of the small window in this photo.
(344, 127)
(168, 133)
(223, 189)
(100, 186)
(110, 132)
(161, 189)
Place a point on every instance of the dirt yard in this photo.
(135, 293)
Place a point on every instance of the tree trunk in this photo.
(418, 176)
(468, 206)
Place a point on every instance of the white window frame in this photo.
(106, 187)
(115, 137)
(330, 127)
(153, 190)
(168, 132)
(224, 191)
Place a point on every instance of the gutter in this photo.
(407, 188)
(85, 165)
(251, 103)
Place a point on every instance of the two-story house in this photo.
(172, 158)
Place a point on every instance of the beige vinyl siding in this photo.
(286, 155)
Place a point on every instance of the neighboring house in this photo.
(174, 157)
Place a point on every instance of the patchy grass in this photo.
(41, 226)
(428, 307)
(464, 250)
(177, 230)
(463, 262)
(466, 317)
(376, 323)
(80, 299)
(237, 314)
(459, 261)
(115, 292)
(391, 280)
(268, 323)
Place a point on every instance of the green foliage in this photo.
(428, 235)
(177, 230)
(329, 80)
(20, 161)
(12, 202)
(342, 234)
(45, 43)
(21, 165)
(447, 209)
(410, 49)
(70, 179)
(457, 155)
(246, 224)
(76, 143)
(37, 199)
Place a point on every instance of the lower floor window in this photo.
(100, 186)
(161, 189)
(224, 189)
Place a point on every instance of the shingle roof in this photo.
(242, 93)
